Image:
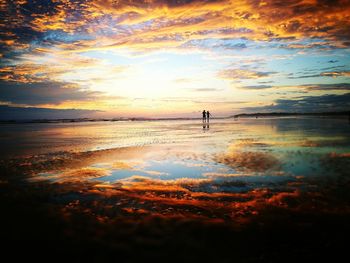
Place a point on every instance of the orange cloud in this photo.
(170, 25)
(335, 74)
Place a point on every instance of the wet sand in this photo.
(267, 190)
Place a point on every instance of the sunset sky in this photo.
(157, 58)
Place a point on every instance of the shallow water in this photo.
(226, 156)
(232, 171)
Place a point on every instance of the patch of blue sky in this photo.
(166, 170)
(119, 175)
(306, 69)
(61, 36)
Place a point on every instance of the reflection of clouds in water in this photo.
(339, 155)
(155, 173)
(137, 166)
(232, 173)
(173, 199)
(73, 175)
(209, 183)
(122, 166)
(252, 161)
(248, 142)
(329, 141)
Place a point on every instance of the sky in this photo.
(168, 58)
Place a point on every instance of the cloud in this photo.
(21, 113)
(335, 74)
(46, 92)
(257, 87)
(146, 25)
(206, 89)
(320, 46)
(330, 87)
(305, 76)
(302, 88)
(323, 103)
(233, 74)
(37, 68)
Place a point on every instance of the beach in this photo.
(243, 190)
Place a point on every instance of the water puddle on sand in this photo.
(235, 168)
(208, 176)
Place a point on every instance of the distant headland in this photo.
(287, 114)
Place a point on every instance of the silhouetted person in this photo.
(208, 115)
(204, 115)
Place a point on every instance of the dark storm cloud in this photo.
(323, 103)
(18, 113)
(302, 88)
(42, 93)
(330, 87)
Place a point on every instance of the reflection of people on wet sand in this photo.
(204, 115)
(208, 116)
(205, 127)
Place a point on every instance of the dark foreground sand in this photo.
(79, 221)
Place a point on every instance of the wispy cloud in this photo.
(257, 87)
(206, 89)
(335, 74)
(234, 74)
(302, 88)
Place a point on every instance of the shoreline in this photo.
(238, 116)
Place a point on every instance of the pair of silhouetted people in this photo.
(206, 116)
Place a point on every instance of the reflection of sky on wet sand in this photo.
(236, 164)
